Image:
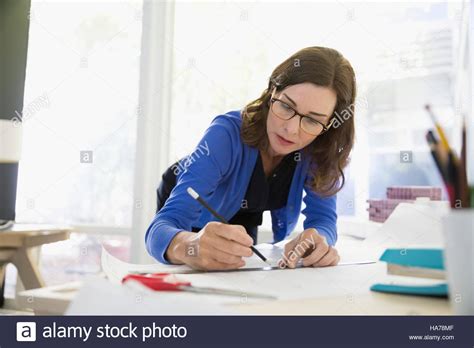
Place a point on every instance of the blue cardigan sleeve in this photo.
(203, 173)
(320, 213)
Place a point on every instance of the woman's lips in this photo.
(283, 141)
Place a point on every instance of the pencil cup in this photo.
(458, 231)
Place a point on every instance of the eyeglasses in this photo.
(285, 112)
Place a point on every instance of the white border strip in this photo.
(10, 141)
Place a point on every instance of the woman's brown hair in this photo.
(330, 151)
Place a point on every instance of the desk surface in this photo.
(364, 304)
(325, 291)
(56, 299)
(350, 301)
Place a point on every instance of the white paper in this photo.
(296, 283)
(274, 252)
(116, 269)
(99, 296)
(283, 284)
(409, 226)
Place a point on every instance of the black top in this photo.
(265, 193)
(262, 193)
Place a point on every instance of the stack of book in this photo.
(380, 209)
(414, 272)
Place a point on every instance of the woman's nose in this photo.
(292, 126)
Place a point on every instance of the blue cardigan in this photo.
(220, 175)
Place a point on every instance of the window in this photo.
(80, 113)
(79, 121)
(403, 54)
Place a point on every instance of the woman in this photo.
(291, 139)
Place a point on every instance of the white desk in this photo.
(319, 291)
(364, 304)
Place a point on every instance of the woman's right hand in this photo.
(217, 246)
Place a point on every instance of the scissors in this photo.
(169, 282)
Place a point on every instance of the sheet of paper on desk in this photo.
(410, 225)
(116, 269)
(296, 283)
(99, 296)
(274, 253)
(284, 284)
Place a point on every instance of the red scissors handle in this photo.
(168, 282)
(158, 281)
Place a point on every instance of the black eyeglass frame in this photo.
(325, 128)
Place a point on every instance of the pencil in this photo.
(440, 130)
(456, 170)
(453, 182)
(196, 196)
(442, 164)
(464, 186)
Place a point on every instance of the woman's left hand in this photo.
(312, 247)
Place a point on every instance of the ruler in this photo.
(267, 268)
